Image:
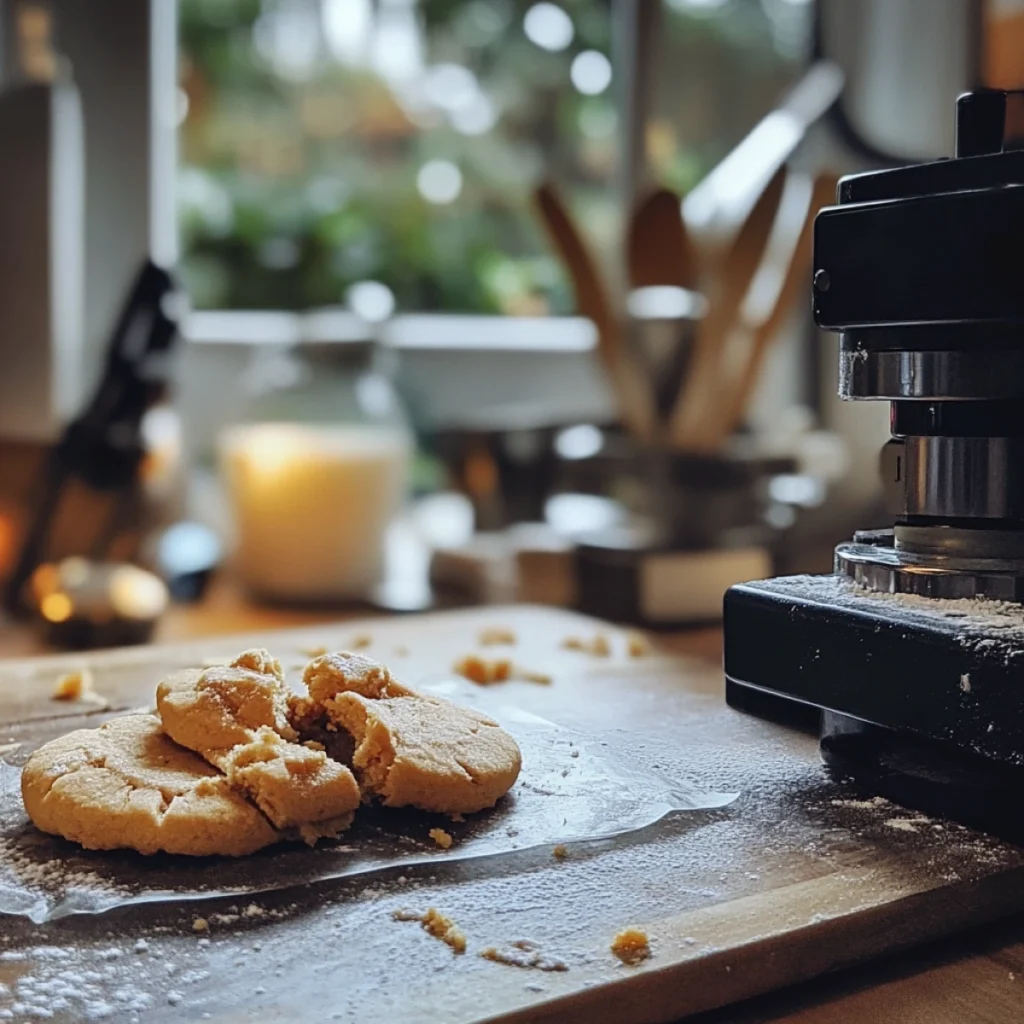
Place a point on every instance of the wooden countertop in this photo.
(978, 976)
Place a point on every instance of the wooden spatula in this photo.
(659, 253)
(658, 248)
(593, 300)
(691, 427)
(794, 284)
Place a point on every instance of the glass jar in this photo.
(316, 471)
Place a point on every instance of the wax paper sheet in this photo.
(572, 789)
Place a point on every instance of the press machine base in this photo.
(909, 660)
(920, 701)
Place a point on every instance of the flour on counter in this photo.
(907, 824)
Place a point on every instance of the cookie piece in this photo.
(292, 784)
(127, 785)
(221, 706)
(425, 752)
(236, 716)
(327, 676)
(344, 672)
(411, 750)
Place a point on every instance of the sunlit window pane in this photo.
(331, 144)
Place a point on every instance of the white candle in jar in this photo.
(312, 504)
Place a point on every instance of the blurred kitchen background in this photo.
(469, 300)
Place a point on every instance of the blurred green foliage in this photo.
(300, 163)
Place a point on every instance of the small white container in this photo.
(316, 473)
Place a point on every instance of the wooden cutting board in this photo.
(797, 877)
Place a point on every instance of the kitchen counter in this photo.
(974, 976)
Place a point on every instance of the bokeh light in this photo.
(373, 301)
(476, 118)
(439, 181)
(56, 607)
(450, 86)
(548, 26)
(591, 72)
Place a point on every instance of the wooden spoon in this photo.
(795, 282)
(659, 253)
(691, 427)
(658, 248)
(592, 298)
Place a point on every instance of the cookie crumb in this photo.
(598, 645)
(330, 828)
(444, 929)
(637, 645)
(435, 923)
(631, 945)
(442, 838)
(360, 641)
(401, 651)
(315, 651)
(200, 924)
(524, 953)
(76, 685)
(529, 676)
(560, 851)
(496, 636)
(483, 671)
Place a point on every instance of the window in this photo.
(330, 143)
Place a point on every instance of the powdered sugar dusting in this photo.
(561, 799)
(862, 805)
(78, 984)
(30, 876)
(985, 626)
(907, 824)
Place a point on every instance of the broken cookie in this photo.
(236, 717)
(412, 750)
(220, 706)
(126, 785)
(292, 784)
(343, 672)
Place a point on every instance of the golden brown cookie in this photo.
(425, 752)
(412, 750)
(292, 784)
(236, 716)
(344, 672)
(126, 784)
(327, 676)
(221, 706)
